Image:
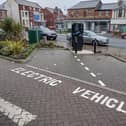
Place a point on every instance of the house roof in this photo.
(25, 2)
(95, 3)
(85, 4)
(50, 9)
(109, 6)
(123, 4)
(28, 3)
(2, 8)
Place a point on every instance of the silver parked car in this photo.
(89, 37)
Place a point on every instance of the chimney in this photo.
(120, 2)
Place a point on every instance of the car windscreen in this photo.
(45, 30)
(92, 33)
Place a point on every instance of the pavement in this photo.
(118, 53)
(58, 88)
(83, 52)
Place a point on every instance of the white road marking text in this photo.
(111, 103)
(37, 76)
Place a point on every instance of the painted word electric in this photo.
(107, 101)
(37, 76)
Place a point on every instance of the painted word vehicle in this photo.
(37, 76)
(107, 101)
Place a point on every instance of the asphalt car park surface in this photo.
(51, 92)
(107, 69)
(111, 71)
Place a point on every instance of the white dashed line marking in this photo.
(92, 74)
(82, 63)
(54, 64)
(18, 115)
(78, 60)
(75, 56)
(86, 68)
(101, 83)
(82, 81)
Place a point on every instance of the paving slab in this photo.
(58, 99)
(84, 52)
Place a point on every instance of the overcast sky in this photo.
(64, 4)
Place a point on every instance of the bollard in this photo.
(45, 39)
(95, 44)
(76, 45)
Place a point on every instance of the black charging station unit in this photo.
(77, 36)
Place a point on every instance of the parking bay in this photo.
(74, 94)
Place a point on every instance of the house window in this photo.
(107, 13)
(62, 26)
(0, 14)
(124, 12)
(120, 12)
(26, 14)
(36, 9)
(23, 22)
(42, 17)
(100, 13)
(27, 22)
(30, 14)
(76, 13)
(84, 13)
(116, 13)
(30, 8)
(22, 14)
(23, 7)
(88, 12)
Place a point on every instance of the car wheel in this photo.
(54, 38)
(122, 37)
(48, 38)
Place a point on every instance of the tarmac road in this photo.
(114, 42)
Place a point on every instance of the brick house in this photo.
(93, 14)
(54, 18)
(105, 10)
(49, 18)
(25, 12)
(3, 13)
